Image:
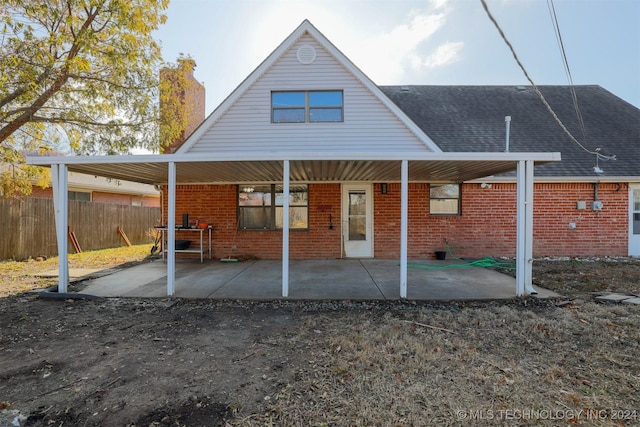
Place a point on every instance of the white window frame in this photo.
(434, 201)
(273, 207)
(72, 195)
(307, 107)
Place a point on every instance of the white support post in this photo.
(528, 248)
(520, 228)
(404, 225)
(61, 215)
(171, 231)
(285, 228)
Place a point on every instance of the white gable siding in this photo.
(368, 124)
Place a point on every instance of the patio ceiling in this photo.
(437, 167)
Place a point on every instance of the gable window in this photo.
(307, 106)
(444, 199)
(82, 196)
(260, 207)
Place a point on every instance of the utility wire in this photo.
(535, 88)
(556, 27)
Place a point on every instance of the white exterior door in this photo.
(357, 220)
(634, 220)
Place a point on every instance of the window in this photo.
(260, 207)
(306, 107)
(444, 199)
(82, 196)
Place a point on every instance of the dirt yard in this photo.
(164, 362)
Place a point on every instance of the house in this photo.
(98, 189)
(121, 208)
(367, 174)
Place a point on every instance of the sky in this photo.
(416, 42)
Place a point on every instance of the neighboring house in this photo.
(98, 189)
(118, 207)
(389, 172)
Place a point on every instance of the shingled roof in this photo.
(472, 118)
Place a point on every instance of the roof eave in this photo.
(294, 155)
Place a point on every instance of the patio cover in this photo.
(303, 167)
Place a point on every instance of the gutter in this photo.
(560, 179)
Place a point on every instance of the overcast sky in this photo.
(430, 42)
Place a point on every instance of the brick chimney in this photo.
(182, 104)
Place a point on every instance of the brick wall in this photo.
(187, 101)
(46, 193)
(603, 232)
(217, 205)
(486, 227)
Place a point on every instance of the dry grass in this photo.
(393, 369)
(579, 277)
(507, 362)
(20, 276)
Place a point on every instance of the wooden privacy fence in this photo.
(28, 226)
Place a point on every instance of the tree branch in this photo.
(109, 82)
(22, 90)
(42, 119)
(58, 82)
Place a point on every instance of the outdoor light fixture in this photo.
(247, 190)
(383, 188)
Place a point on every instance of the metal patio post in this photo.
(285, 228)
(520, 228)
(528, 246)
(404, 224)
(61, 214)
(171, 231)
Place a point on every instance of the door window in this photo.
(357, 215)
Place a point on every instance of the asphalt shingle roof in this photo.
(471, 118)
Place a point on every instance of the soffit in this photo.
(300, 170)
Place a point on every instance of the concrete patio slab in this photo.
(613, 297)
(74, 273)
(353, 279)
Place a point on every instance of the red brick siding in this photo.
(151, 202)
(487, 225)
(217, 205)
(45, 193)
(192, 100)
(597, 232)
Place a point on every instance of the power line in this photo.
(565, 61)
(535, 88)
